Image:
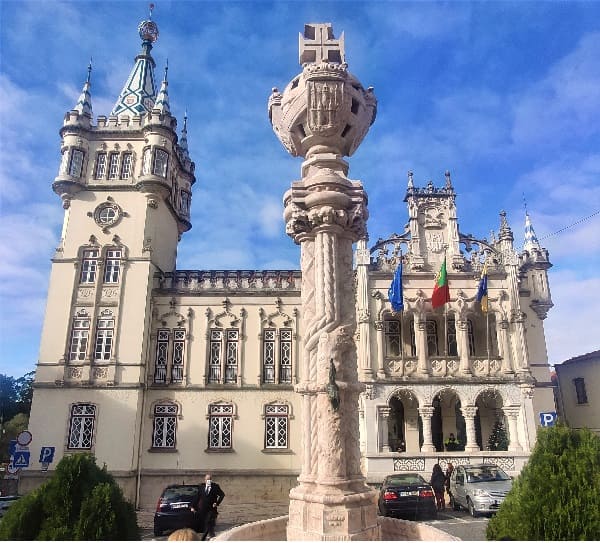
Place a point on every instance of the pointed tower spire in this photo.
(531, 241)
(183, 142)
(505, 233)
(139, 91)
(162, 100)
(448, 180)
(84, 103)
(411, 183)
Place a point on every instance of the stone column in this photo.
(426, 414)
(384, 417)
(463, 346)
(512, 412)
(469, 413)
(322, 117)
(380, 350)
(421, 341)
(363, 259)
(506, 354)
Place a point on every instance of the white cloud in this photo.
(562, 107)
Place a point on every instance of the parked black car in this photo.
(406, 495)
(173, 510)
(6, 502)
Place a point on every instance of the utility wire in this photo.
(570, 226)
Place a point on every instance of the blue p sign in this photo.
(548, 419)
(47, 455)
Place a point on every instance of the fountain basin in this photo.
(392, 529)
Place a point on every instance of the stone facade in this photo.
(165, 374)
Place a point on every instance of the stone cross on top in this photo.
(319, 45)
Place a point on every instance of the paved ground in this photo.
(229, 517)
(456, 523)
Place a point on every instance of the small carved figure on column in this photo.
(333, 390)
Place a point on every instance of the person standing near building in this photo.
(449, 470)
(438, 482)
(209, 498)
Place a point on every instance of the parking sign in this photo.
(548, 419)
(47, 455)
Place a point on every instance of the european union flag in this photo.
(482, 291)
(395, 290)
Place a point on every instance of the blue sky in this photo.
(505, 95)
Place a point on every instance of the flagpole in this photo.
(487, 332)
(446, 311)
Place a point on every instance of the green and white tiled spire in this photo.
(139, 92)
(84, 103)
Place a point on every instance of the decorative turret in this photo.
(433, 225)
(534, 263)
(161, 106)
(84, 104)
(139, 92)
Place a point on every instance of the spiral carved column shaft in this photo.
(323, 115)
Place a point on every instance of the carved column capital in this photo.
(426, 411)
(469, 411)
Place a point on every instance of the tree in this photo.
(498, 440)
(10, 430)
(556, 495)
(79, 502)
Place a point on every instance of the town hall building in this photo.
(165, 374)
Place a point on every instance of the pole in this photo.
(487, 333)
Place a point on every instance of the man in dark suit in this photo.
(209, 497)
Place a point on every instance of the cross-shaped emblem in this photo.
(318, 44)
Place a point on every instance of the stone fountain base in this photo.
(390, 529)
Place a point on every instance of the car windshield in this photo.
(486, 474)
(411, 479)
(179, 493)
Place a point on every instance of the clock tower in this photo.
(125, 185)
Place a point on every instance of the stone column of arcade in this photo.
(322, 116)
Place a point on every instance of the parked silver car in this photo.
(480, 488)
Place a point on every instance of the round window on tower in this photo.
(107, 214)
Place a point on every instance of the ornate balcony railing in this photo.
(190, 281)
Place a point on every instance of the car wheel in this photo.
(471, 507)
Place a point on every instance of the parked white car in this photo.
(480, 488)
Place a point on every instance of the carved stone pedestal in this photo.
(312, 517)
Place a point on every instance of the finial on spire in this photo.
(162, 99)
(84, 103)
(411, 184)
(505, 232)
(183, 143)
(151, 10)
(166, 70)
(448, 180)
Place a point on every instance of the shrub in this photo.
(556, 496)
(79, 502)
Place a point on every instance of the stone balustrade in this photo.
(190, 281)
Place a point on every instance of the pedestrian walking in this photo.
(438, 482)
(449, 470)
(209, 498)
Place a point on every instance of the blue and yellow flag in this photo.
(482, 291)
(395, 290)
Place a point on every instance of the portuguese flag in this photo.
(441, 291)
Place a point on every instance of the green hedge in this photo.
(557, 495)
(79, 502)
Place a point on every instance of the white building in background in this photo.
(165, 374)
(578, 378)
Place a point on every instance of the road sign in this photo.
(548, 419)
(12, 469)
(47, 455)
(21, 459)
(24, 438)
